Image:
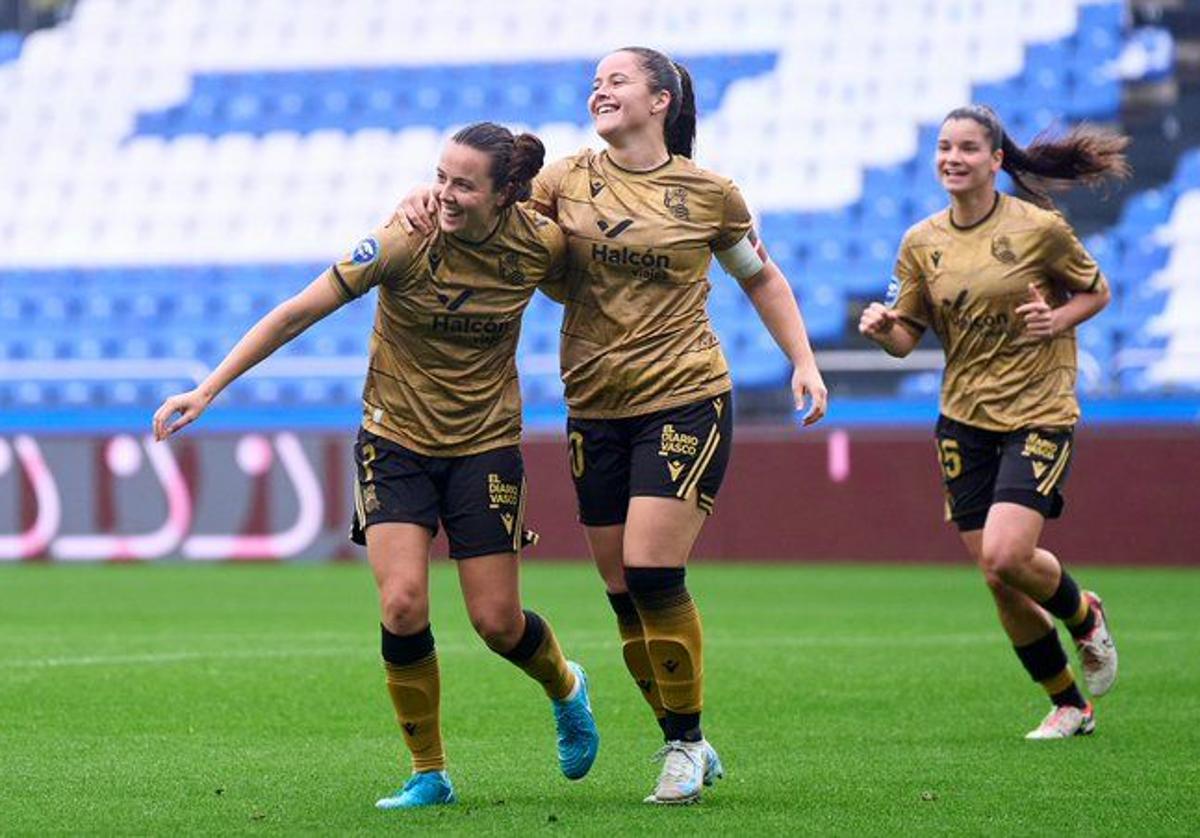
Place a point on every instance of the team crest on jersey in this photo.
(675, 199)
(366, 251)
(510, 268)
(1002, 250)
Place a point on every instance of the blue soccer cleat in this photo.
(578, 739)
(425, 788)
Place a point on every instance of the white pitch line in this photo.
(571, 641)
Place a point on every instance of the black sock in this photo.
(1046, 663)
(1066, 600)
(1070, 696)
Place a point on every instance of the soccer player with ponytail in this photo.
(1003, 282)
(440, 432)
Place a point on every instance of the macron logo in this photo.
(616, 229)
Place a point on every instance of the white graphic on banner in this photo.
(34, 540)
(124, 458)
(254, 458)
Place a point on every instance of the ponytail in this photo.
(679, 128)
(681, 131)
(1087, 154)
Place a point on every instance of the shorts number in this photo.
(951, 458)
(369, 455)
(575, 439)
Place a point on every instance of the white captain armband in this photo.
(744, 259)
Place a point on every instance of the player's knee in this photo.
(499, 627)
(1001, 591)
(1004, 561)
(405, 607)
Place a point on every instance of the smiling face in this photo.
(469, 202)
(965, 160)
(622, 103)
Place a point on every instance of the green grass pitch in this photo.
(850, 699)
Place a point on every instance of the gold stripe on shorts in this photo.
(360, 507)
(519, 523)
(1056, 472)
(702, 460)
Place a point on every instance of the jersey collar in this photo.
(990, 213)
(608, 161)
(499, 223)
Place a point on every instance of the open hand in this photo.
(807, 384)
(417, 211)
(188, 405)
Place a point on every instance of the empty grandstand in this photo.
(184, 171)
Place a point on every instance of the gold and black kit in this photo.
(1008, 403)
(480, 498)
(1028, 467)
(681, 452)
(647, 385)
(441, 402)
(636, 337)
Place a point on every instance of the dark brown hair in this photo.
(515, 158)
(1086, 154)
(665, 74)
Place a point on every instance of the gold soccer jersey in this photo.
(967, 284)
(442, 379)
(636, 337)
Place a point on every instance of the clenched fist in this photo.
(877, 320)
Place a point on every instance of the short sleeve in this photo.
(547, 185)
(1067, 261)
(736, 222)
(384, 254)
(905, 295)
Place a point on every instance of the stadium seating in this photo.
(183, 173)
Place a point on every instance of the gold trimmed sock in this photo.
(637, 656)
(675, 644)
(414, 684)
(538, 654)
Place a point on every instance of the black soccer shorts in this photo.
(1027, 467)
(479, 498)
(679, 452)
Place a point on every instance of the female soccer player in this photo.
(440, 431)
(647, 386)
(1003, 283)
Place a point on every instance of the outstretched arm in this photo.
(277, 327)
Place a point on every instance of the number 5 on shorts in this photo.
(951, 458)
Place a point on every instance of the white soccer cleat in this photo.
(1097, 653)
(682, 774)
(1064, 722)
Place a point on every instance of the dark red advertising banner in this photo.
(1133, 497)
